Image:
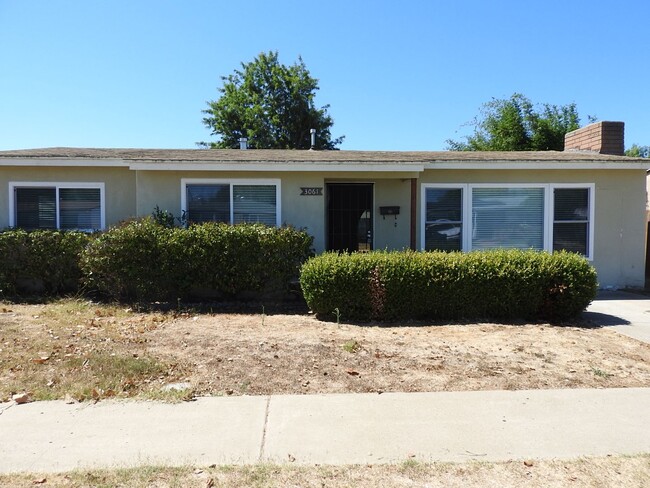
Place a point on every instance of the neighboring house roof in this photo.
(306, 160)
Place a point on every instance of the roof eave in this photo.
(64, 162)
(277, 166)
(496, 164)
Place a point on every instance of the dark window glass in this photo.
(571, 220)
(35, 208)
(208, 203)
(444, 219)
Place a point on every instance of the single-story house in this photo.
(584, 199)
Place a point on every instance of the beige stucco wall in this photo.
(619, 199)
(619, 220)
(119, 185)
(163, 188)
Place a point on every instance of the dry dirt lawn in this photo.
(610, 472)
(81, 350)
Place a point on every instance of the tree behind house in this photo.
(270, 104)
(637, 151)
(514, 124)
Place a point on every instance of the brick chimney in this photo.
(601, 137)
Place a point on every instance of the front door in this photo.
(349, 217)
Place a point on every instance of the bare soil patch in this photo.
(89, 351)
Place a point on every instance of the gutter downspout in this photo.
(137, 190)
(414, 194)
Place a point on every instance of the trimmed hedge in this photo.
(143, 260)
(41, 262)
(499, 284)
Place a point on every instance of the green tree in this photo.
(514, 124)
(637, 151)
(270, 104)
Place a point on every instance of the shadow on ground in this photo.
(598, 319)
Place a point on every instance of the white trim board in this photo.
(77, 163)
(541, 165)
(334, 167)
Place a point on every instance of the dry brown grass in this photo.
(614, 472)
(79, 350)
(86, 350)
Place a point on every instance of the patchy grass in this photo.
(83, 350)
(615, 471)
(80, 350)
(351, 346)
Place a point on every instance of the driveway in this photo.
(626, 313)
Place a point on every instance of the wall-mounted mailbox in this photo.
(388, 210)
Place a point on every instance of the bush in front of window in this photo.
(144, 260)
(232, 259)
(480, 285)
(126, 260)
(40, 262)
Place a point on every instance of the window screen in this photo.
(35, 208)
(444, 219)
(571, 220)
(508, 218)
(208, 203)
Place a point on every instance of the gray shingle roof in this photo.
(285, 156)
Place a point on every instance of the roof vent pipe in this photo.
(313, 139)
(243, 143)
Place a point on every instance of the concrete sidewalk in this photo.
(326, 429)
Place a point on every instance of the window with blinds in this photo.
(444, 219)
(35, 208)
(56, 207)
(231, 203)
(79, 208)
(508, 218)
(571, 220)
(254, 204)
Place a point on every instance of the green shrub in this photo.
(40, 262)
(500, 284)
(126, 261)
(144, 260)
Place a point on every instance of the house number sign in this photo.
(311, 191)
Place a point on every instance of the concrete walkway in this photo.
(341, 429)
(326, 429)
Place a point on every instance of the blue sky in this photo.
(398, 75)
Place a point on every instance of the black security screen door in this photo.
(349, 217)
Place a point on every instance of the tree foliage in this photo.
(637, 151)
(515, 124)
(270, 104)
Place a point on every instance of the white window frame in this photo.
(13, 185)
(235, 181)
(591, 187)
(463, 201)
(549, 202)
